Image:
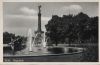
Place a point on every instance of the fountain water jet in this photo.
(29, 40)
(33, 45)
(44, 40)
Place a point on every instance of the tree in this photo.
(79, 27)
(7, 37)
(52, 28)
(17, 40)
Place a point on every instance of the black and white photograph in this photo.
(50, 31)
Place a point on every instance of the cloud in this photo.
(29, 14)
(24, 21)
(28, 11)
(34, 17)
(72, 9)
(75, 7)
(27, 19)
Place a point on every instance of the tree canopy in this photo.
(78, 27)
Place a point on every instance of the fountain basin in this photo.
(64, 50)
(75, 56)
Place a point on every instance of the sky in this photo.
(19, 17)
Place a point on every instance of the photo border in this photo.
(39, 63)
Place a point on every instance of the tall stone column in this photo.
(39, 19)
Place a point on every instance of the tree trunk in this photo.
(56, 43)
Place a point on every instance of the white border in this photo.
(1, 31)
(39, 63)
(50, 0)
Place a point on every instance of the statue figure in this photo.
(39, 8)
